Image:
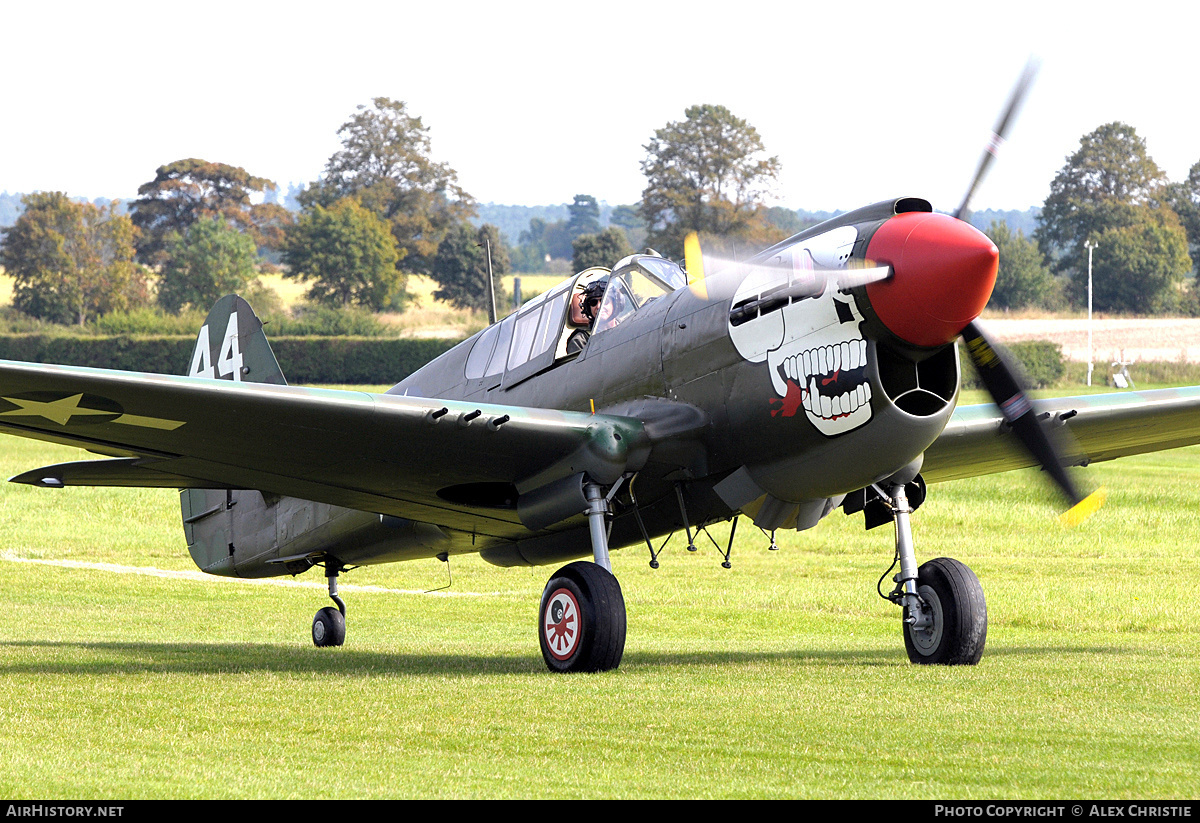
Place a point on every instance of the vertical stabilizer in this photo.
(232, 346)
(225, 526)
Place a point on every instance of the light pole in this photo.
(1090, 245)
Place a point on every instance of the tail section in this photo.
(224, 527)
(231, 346)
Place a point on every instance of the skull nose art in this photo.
(943, 274)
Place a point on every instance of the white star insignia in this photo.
(62, 410)
(59, 411)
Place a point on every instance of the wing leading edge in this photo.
(1106, 426)
(453, 463)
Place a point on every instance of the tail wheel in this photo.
(329, 627)
(581, 621)
(959, 626)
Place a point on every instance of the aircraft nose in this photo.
(943, 274)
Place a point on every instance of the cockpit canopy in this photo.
(535, 336)
(660, 268)
(636, 280)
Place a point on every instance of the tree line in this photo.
(1142, 231)
(383, 210)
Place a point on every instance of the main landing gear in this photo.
(945, 616)
(581, 620)
(329, 624)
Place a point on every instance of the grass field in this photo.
(783, 677)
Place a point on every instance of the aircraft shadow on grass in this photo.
(208, 658)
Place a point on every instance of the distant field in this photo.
(1129, 339)
(784, 676)
(425, 317)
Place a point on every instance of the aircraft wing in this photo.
(430, 460)
(1106, 426)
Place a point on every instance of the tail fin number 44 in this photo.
(228, 360)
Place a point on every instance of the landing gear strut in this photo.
(581, 620)
(945, 615)
(329, 624)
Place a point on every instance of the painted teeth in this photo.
(825, 360)
(807, 366)
(830, 407)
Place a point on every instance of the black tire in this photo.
(581, 620)
(959, 628)
(329, 627)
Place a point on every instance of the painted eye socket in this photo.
(845, 313)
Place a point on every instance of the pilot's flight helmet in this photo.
(592, 295)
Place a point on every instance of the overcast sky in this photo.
(534, 102)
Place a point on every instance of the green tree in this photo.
(1023, 279)
(542, 238)
(1185, 200)
(209, 260)
(460, 267)
(384, 163)
(1101, 185)
(603, 249)
(71, 261)
(706, 173)
(1111, 192)
(630, 221)
(347, 253)
(188, 190)
(1140, 267)
(585, 216)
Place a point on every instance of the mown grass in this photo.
(782, 677)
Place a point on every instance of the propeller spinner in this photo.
(944, 273)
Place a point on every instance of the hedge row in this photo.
(1040, 360)
(303, 359)
(359, 359)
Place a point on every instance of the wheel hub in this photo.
(561, 624)
(927, 633)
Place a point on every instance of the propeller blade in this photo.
(860, 273)
(1048, 444)
(1000, 133)
(801, 283)
(693, 260)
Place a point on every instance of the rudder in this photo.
(231, 345)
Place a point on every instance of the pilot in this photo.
(615, 309)
(583, 313)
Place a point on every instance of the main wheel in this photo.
(329, 627)
(959, 627)
(581, 621)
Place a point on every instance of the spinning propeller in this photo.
(803, 281)
(953, 271)
(1049, 443)
(938, 277)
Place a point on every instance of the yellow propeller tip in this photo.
(1084, 509)
(692, 258)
